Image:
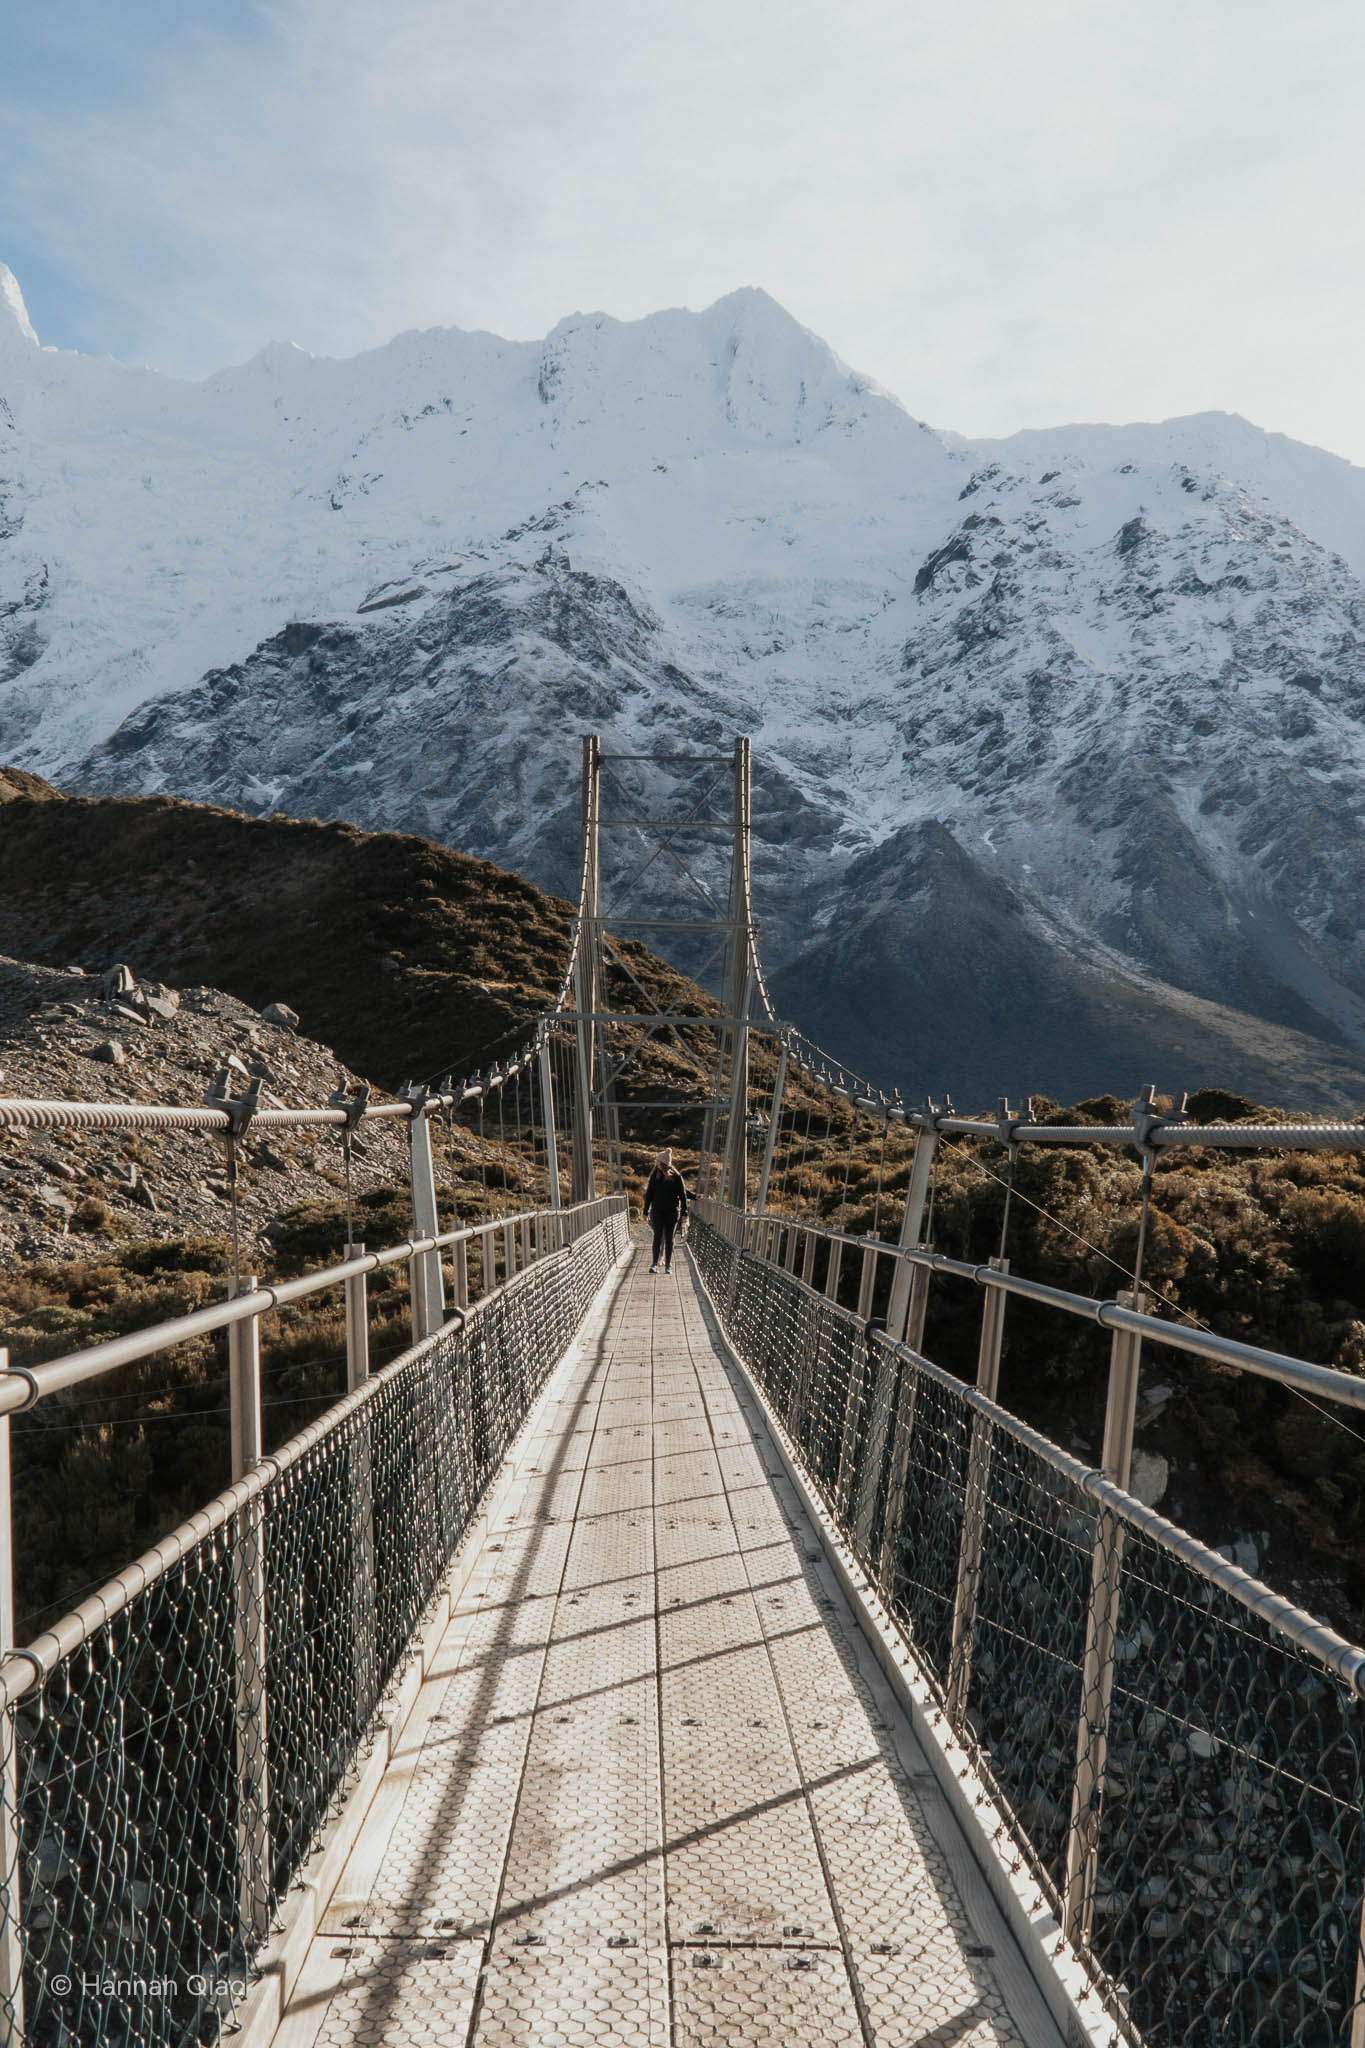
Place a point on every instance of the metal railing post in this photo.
(249, 1664)
(357, 1324)
(462, 1273)
(774, 1115)
(1101, 1631)
(426, 1280)
(855, 1408)
(918, 1309)
(902, 1308)
(547, 1111)
(793, 1246)
(808, 1260)
(867, 1283)
(901, 1431)
(975, 1498)
(11, 1934)
(587, 975)
(836, 1260)
(363, 1631)
(883, 1379)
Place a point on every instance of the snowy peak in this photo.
(742, 371)
(1323, 494)
(1103, 689)
(15, 325)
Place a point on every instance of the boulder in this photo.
(280, 1013)
(52, 1164)
(1152, 1400)
(1243, 1551)
(1150, 1476)
(119, 981)
(111, 1052)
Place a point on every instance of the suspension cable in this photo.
(881, 1170)
(502, 1156)
(1178, 1309)
(824, 1154)
(346, 1170)
(232, 1198)
(1009, 1197)
(805, 1149)
(848, 1164)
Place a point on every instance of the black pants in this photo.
(664, 1227)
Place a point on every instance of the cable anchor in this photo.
(241, 1108)
(354, 1104)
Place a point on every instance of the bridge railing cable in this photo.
(1177, 1752)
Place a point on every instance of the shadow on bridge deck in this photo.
(655, 1788)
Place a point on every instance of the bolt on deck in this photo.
(655, 1789)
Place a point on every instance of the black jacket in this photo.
(665, 1195)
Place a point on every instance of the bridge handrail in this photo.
(1345, 1658)
(1160, 1135)
(21, 1388)
(22, 1670)
(174, 1745)
(1284, 1367)
(1177, 1751)
(33, 1114)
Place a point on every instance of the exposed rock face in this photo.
(1104, 695)
(158, 1184)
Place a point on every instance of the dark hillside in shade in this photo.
(408, 959)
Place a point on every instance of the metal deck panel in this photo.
(655, 1789)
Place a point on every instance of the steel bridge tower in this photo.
(667, 836)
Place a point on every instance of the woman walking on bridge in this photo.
(665, 1201)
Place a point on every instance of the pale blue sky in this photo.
(1013, 215)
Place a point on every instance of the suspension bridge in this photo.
(676, 1660)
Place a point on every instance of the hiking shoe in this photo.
(655, 1267)
(668, 1269)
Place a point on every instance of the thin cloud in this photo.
(1007, 215)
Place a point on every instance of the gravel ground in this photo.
(162, 1184)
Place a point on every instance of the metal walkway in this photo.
(655, 1788)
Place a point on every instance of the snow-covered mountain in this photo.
(1058, 739)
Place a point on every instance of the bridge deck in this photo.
(655, 1789)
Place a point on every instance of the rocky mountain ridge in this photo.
(65, 1194)
(1058, 741)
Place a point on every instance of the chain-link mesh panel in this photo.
(1028, 1642)
(1183, 1775)
(131, 1869)
(175, 1769)
(925, 1490)
(1231, 1844)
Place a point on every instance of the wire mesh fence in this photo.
(1178, 1753)
(179, 1742)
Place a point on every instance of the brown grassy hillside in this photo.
(406, 958)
